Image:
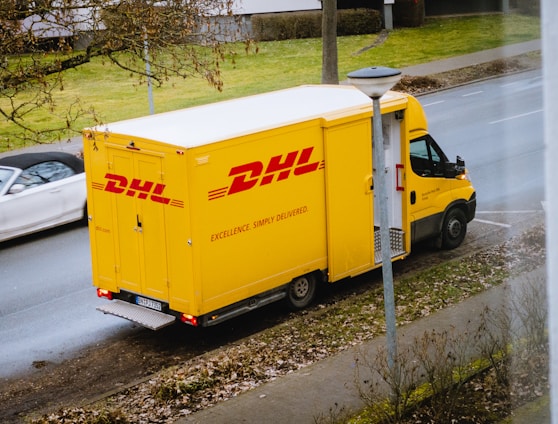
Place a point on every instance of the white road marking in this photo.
(434, 103)
(516, 116)
(499, 224)
(512, 212)
(472, 94)
(510, 83)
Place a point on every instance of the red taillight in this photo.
(189, 319)
(104, 293)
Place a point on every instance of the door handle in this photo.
(369, 184)
(139, 224)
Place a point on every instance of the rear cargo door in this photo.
(140, 221)
(349, 199)
(394, 173)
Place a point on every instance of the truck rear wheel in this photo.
(301, 291)
(454, 229)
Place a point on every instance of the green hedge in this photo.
(358, 21)
(292, 25)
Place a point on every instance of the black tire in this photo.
(301, 292)
(454, 229)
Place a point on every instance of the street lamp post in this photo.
(375, 82)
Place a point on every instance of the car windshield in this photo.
(44, 172)
(5, 174)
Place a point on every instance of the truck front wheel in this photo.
(301, 291)
(454, 229)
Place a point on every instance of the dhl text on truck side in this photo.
(205, 213)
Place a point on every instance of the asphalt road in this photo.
(47, 311)
(497, 127)
(47, 308)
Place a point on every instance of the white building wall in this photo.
(250, 7)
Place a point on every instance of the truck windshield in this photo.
(427, 159)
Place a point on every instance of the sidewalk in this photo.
(328, 385)
(331, 384)
(472, 59)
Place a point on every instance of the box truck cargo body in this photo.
(208, 212)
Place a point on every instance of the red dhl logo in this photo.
(278, 168)
(140, 189)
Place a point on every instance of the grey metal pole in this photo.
(388, 16)
(549, 9)
(374, 82)
(380, 190)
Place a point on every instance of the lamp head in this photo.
(374, 81)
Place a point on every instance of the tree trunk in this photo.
(408, 13)
(329, 42)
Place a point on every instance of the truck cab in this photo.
(441, 197)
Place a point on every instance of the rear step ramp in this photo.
(146, 317)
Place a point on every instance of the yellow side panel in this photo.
(258, 216)
(348, 155)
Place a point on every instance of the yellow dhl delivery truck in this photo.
(205, 213)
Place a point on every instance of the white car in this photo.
(40, 191)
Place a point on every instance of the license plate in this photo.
(148, 303)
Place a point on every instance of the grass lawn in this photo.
(114, 95)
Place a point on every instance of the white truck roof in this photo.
(214, 122)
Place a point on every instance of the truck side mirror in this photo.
(459, 165)
(452, 170)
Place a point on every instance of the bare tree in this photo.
(330, 73)
(41, 39)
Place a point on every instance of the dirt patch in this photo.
(425, 84)
(415, 85)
